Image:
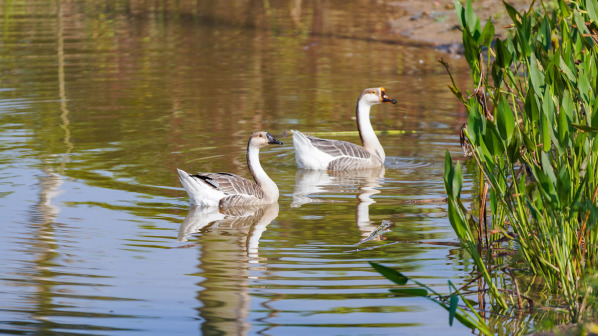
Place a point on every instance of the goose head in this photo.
(374, 96)
(262, 139)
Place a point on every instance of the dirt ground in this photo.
(435, 22)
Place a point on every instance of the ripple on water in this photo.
(98, 237)
(406, 164)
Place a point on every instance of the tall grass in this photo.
(533, 118)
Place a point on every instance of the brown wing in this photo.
(239, 200)
(232, 185)
(337, 148)
(348, 163)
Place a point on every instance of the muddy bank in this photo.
(435, 23)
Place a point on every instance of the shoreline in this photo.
(435, 23)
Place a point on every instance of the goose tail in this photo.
(306, 155)
(301, 143)
(199, 192)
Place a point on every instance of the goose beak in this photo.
(272, 140)
(386, 99)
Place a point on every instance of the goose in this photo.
(324, 154)
(225, 189)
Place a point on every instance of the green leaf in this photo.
(584, 87)
(409, 291)
(476, 124)
(503, 55)
(547, 180)
(564, 8)
(471, 49)
(567, 105)
(585, 128)
(453, 304)
(545, 134)
(536, 76)
(535, 214)
(567, 71)
(453, 176)
(592, 6)
(460, 13)
(513, 14)
(486, 154)
(390, 274)
(458, 180)
(493, 201)
(466, 320)
(547, 169)
(505, 119)
(470, 17)
(563, 186)
(493, 141)
(578, 194)
(449, 174)
(531, 107)
(545, 35)
(526, 27)
(522, 38)
(563, 129)
(487, 34)
(531, 145)
(513, 150)
(548, 106)
(580, 23)
(497, 74)
(458, 222)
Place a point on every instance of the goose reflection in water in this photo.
(228, 261)
(309, 182)
(250, 221)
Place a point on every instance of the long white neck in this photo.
(369, 140)
(259, 175)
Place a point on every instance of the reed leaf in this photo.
(539, 155)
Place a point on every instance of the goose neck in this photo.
(368, 137)
(259, 175)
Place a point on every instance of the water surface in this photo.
(99, 104)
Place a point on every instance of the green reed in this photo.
(466, 315)
(533, 118)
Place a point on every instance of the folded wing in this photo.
(338, 148)
(238, 190)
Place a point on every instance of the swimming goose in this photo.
(224, 189)
(324, 154)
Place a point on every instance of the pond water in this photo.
(100, 103)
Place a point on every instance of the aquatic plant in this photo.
(533, 118)
(467, 316)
